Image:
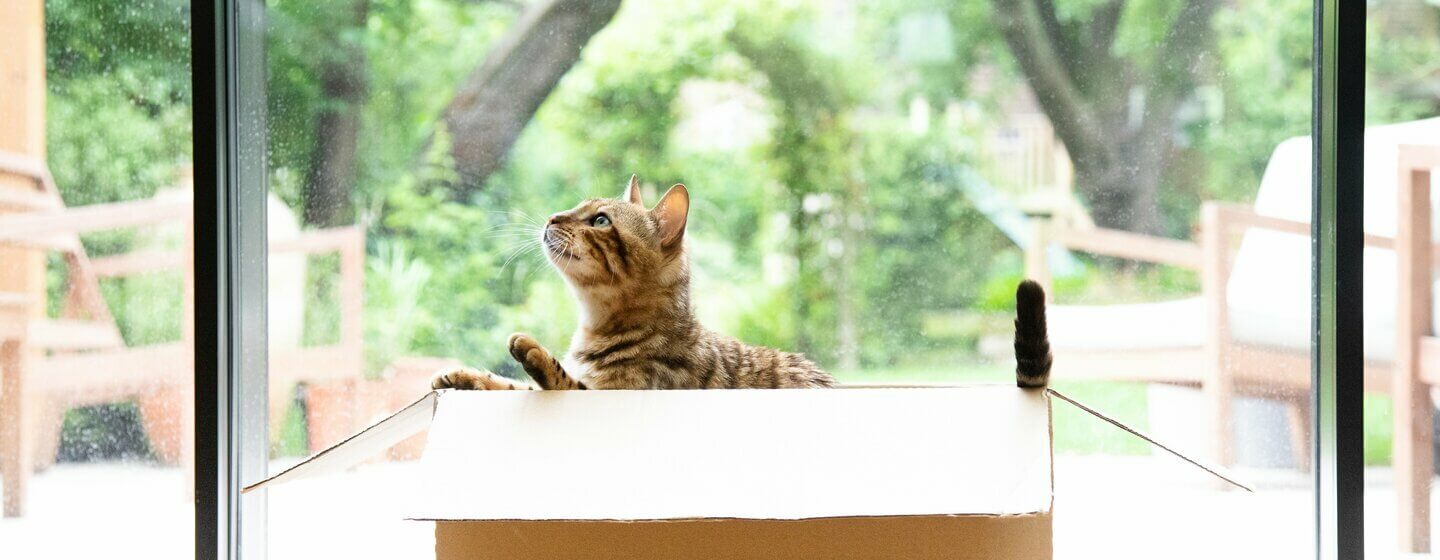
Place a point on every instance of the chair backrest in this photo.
(83, 310)
(1269, 287)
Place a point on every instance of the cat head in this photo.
(616, 243)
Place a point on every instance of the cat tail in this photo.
(1032, 345)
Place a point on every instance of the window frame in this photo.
(1337, 242)
(228, 70)
(227, 45)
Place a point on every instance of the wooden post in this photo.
(352, 293)
(22, 131)
(15, 427)
(1414, 464)
(1217, 385)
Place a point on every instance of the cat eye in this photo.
(600, 220)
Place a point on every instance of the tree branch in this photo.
(1103, 23)
(1064, 37)
(1050, 78)
(500, 97)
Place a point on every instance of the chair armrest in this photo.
(1131, 246)
(1235, 216)
(28, 226)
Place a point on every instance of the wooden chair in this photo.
(50, 365)
(1247, 333)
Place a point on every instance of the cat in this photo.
(629, 271)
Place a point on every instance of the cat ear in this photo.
(671, 212)
(632, 192)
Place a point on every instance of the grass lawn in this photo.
(1378, 409)
(1077, 432)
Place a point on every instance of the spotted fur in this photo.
(630, 274)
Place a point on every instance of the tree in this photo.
(343, 82)
(1116, 109)
(500, 97)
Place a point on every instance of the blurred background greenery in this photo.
(834, 150)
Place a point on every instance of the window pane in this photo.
(96, 422)
(868, 181)
(1402, 179)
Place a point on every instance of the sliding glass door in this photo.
(870, 181)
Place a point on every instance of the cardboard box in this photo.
(935, 472)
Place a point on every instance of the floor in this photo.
(1133, 507)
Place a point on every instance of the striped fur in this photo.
(1032, 344)
(637, 330)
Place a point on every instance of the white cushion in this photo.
(1130, 326)
(1269, 287)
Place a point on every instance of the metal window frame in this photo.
(228, 81)
(1337, 243)
(231, 424)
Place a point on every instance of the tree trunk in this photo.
(499, 98)
(1119, 142)
(330, 185)
(1122, 189)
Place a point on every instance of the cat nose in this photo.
(554, 219)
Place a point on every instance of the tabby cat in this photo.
(628, 269)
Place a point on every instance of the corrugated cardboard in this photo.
(953, 472)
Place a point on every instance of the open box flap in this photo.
(367, 443)
(744, 454)
(1216, 470)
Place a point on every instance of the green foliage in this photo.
(1265, 92)
(837, 203)
(924, 246)
(394, 286)
(118, 108)
(415, 54)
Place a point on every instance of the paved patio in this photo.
(1130, 507)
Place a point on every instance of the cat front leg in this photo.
(540, 364)
(475, 380)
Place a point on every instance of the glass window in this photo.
(96, 315)
(869, 181)
(1402, 181)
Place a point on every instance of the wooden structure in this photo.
(1023, 157)
(50, 365)
(1222, 366)
(22, 269)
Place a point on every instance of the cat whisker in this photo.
(513, 229)
(515, 254)
(513, 236)
(531, 272)
(526, 217)
(523, 246)
(513, 213)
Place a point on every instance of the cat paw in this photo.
(526, 350)
(458, 378)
